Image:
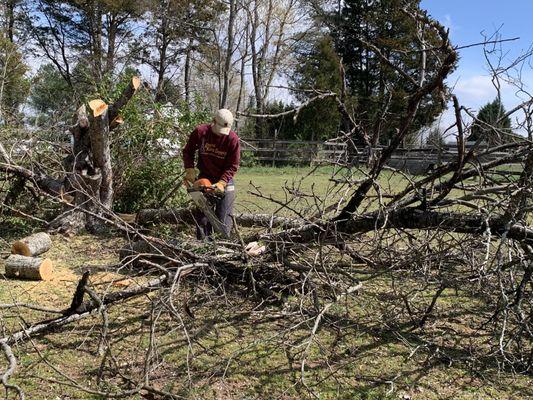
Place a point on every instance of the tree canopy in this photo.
(374, 39)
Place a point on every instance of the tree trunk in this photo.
(229, 54)
(113, 23)
(187, 74)
(101, 153)
(32, 245)
(162, 49)
(89, 176)
(18, 266)
(10, 16)
(185, 215)
(241, 82)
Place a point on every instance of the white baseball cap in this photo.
(222, 121)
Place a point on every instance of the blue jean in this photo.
(223, 208)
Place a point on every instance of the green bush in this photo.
(146, 153)
(248, 159)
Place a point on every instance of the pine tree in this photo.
(491, 125)
(379, 93)
(317, 68)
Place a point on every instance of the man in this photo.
(218, 160)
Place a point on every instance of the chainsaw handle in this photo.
(205, 190)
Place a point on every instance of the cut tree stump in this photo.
(33, 245)
(34, 268)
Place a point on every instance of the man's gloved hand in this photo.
(190, 176)
(220, 187)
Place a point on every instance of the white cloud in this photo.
(477, 90)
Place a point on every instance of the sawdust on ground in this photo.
(71, 257)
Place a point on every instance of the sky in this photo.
(468, 20)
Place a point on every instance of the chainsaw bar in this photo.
(201, 202)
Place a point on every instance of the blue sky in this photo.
(467, 20)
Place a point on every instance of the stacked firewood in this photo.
(24, 263)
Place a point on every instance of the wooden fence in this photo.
(275, 152)
(280, 152)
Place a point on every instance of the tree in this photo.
(13, 82)
(50, 95)
(221, 62)
(270, 42)
(8, 18)
(317, 69)
(375, 40)
(176, 28)
(94, 32)
(492, 125)
(435, 138)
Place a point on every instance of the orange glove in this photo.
(220, 186)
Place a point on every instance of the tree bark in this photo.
(229, 54)
(124, 98)
(405, 218)
(101, 154)
(33, 245)
(33, 268)
(187, 74)
(185, 215)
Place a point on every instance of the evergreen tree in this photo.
(317, 68)
(95, 32)
(435, 138)
(379, 92)
(490, 125)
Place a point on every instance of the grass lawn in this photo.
(239, 354)
(257, 185)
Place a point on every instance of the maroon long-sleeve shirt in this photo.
(218, 155)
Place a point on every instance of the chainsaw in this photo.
(199, 197)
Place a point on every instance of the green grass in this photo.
(257, 185)
(239, 354)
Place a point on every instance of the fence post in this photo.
(274, 152)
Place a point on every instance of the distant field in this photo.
(283, 183)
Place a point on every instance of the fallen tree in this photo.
(186, 216)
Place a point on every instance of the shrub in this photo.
(146, 153)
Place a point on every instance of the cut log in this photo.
(33, 245)
(34, 268)
(133, 253)
(165, 216)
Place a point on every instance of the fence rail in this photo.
(414, 160)
(292, 151)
